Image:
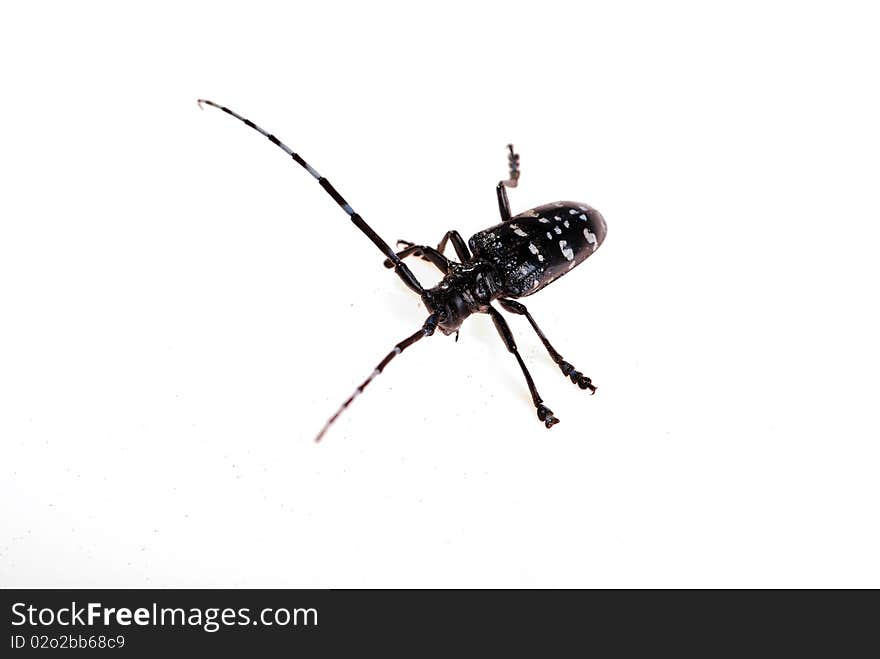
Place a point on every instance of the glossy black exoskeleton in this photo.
(513, 259)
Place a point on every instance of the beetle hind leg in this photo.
(545, 414)
(568, 370)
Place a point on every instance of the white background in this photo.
(182, 307)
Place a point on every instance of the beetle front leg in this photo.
(567, 369)
(458, 244)
(427, 253)
(544, 413)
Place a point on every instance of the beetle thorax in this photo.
(466, 289)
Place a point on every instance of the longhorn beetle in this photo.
(513, 259)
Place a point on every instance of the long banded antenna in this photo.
(399, 266)
(427, 330)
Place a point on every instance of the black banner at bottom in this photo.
(412, 622)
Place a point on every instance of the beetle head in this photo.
(450, 303)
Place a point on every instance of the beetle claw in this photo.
(585, 383)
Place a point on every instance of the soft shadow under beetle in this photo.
(513, 259)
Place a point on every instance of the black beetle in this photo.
(513, 259)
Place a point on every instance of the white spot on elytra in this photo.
(557, 218)
(518, 231)
(566, 224)
(543, 220)
(583, 217)
(591, 237)
(532, 248)
(567, 252)
(549, 236)
(572, 211)
(558, 231)
(525, 270)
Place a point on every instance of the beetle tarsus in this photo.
(545, 414)
(582, 381)
(577, 377)
(513, 166)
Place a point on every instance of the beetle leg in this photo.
(544, 414)
(511, 182)
(423, 251)
(567, 369)
(458, 244)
